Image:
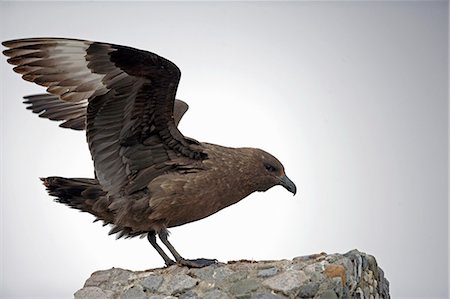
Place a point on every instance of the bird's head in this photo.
(270, 172)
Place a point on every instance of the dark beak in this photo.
(288, 184)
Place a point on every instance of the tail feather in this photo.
(77, 193)
(87, 195)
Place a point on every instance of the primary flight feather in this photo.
(148, 175)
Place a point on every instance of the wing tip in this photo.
(6, 43)
(7, 52)
(11, 42)
(68, 125)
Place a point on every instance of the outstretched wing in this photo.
(130, 125)
(74, 113)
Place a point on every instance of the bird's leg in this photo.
(163, 234)
(198, 263)
(151, 236)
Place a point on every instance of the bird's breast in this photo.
(196, 199)
(184, 198)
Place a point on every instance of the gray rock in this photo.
(328, 294)
(135, 292)
(373, 266)
(243, 288)
(178, 284)
(214, 273)
(90, 292)
(359, 294)
(114, 276)
(152, 282)
(308, 258)
(189, 295)
(216, 294)
(334, 285)
(287, 282)
(267, 295)
(236, 276)
(98, 278)
(267, 272)
(308, 289)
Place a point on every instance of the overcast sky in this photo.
(351, 97)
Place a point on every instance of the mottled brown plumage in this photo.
(148, 175)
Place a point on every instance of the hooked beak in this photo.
(288, 184)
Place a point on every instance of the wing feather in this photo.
(123, 97)
(52, 107)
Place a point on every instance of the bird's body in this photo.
(148, 176)
(174, 199)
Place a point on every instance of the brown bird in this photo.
(148, 175)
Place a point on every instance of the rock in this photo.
(109, 279)
(267, 272)
(90, 292)
(328, 294)
(152, 282)
(287, 282)
(178, 284)
(216, 294)
(267, 295)
(308, 290)
(135, 292)
(244, 288)
(189, 295)
(318, 276)
(214, 274)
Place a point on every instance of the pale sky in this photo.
(350, 96)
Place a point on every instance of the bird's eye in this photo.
(270, 168)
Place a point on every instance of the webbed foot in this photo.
(197, 263)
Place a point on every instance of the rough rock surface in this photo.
(350, 275)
